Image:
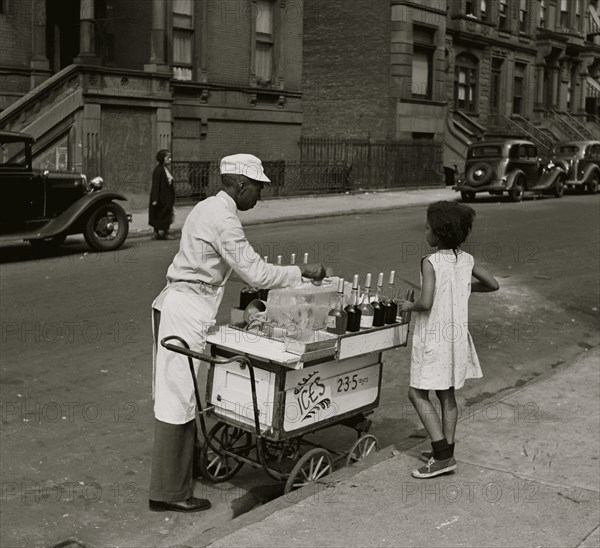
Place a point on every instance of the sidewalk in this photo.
(527, 475)
(306, 207)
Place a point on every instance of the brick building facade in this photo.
(103, 84)
(452, 71)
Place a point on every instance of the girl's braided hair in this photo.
(451, 222)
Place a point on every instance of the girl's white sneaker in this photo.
(434, 468)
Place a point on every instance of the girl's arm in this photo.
(425, 301)
(485, 281)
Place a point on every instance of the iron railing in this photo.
(327, 166)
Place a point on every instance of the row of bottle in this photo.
(248, 293)
(372, 310)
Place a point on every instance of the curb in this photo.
(280, 503)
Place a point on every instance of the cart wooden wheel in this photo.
(218, 467)
(311, 467)
(363, 447)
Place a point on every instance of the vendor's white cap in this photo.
(244, 164)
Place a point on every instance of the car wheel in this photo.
(107, 227)
(591, 187)
(516, 192)
(467, 195)
(559, 187)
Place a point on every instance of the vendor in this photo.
(213, 244)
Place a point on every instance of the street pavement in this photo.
(527, 475)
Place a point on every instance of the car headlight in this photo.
(97, 183)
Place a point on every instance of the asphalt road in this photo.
(75, 377)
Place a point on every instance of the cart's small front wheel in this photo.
(218, 467)
(363, 447)
(310, 468)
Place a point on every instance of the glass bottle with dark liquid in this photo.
(247, 295)
(263, 293)
(366, 308)
(337, 319)
(378, 308)
(389, 303)
(352, 309)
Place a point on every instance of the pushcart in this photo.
(267, 394)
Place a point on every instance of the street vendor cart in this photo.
(267, 393)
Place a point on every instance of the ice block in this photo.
(304, 308)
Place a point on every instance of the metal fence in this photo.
(380, 164)
(327, 166)
(194, 181)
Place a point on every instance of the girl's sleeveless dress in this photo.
(443, 354)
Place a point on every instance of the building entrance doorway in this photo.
(62, 32)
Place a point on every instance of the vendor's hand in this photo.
(154, 203)
(405, 306)
(314, 271)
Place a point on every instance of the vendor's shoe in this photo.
(189, 505)
(426, 455)
(435, 468)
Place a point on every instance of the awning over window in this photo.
(593, 88)
(593, 21)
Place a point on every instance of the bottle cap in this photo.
(293, 259)
(392, 276)
(305, 258)
(340, 288)
(355, 282)
(380, 279)
(279, 259)
(266, 258)
(368, 281)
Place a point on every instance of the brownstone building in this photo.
(452, 71)
(104, 84)
(408, 84)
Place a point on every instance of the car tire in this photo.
(559, 187)
(591, 187)
(48, 244)
(99, 231)
(516, 192)
(467, 196)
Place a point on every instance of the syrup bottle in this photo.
(352, 309)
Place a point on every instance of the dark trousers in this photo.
(173, 461)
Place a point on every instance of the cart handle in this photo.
(244, 362)
(186, 351)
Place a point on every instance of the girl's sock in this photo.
(441, 449)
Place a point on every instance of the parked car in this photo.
(581, 162)
(512, 167)
(44, 207)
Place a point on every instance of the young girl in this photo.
(443, 355)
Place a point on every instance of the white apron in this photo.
(187, 310)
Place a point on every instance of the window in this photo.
(503, 15)
(564, 13)
(183, 39)
(518, 88)
(523, 18)
(465, 83)
(264, 42)
(470, 7)
(543, 14)
(422, 64)
(577, 14)
(495, 85)
(483, 10)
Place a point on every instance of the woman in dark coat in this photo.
(162, 196)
